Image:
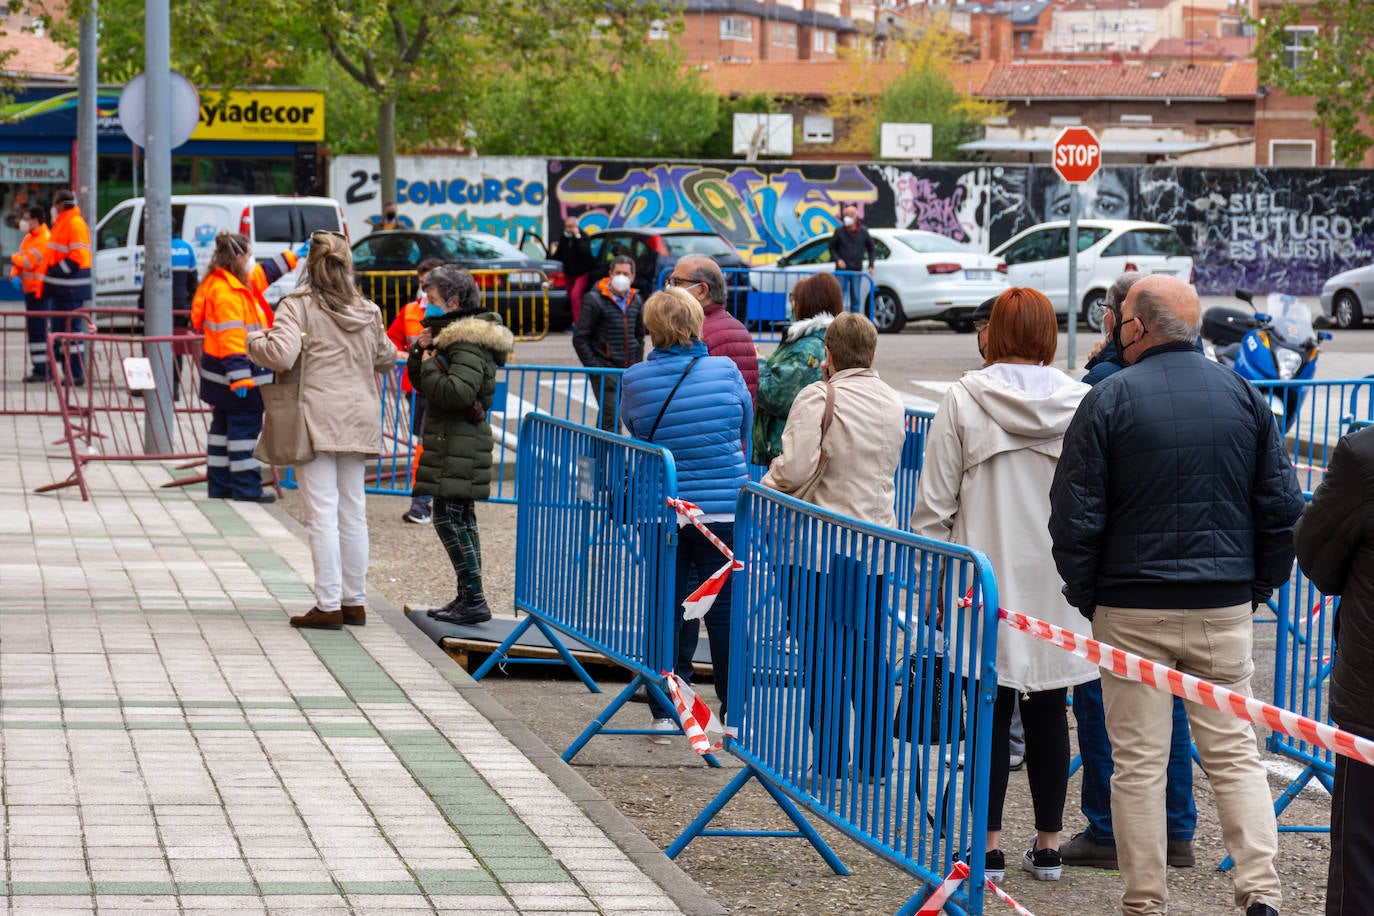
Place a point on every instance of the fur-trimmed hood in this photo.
(485, 330)
(799, 329)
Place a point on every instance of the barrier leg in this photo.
(502, 650)
(804, 829)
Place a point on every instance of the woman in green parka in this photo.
(796, 362)
(453, 365)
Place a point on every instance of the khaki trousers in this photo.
(1213, 644)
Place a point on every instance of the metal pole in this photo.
(87, 98)
(1073, 274)
(157, 211)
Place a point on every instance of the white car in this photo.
(1349, 296)
(273, 224)
(917, 276)
(1107, 248)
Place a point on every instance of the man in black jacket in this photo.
(850, 244)
(609, 334)
(1171, 514)
(574, 252)
(1335, 544)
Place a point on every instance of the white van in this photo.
(274, 224)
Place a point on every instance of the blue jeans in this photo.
(1096, 750)
(697, 558)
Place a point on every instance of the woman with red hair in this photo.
(990, 458)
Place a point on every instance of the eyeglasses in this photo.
(672, 282)
(980, 326)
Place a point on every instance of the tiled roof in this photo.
(822, 79)
(1240, 81)
(1230, 47)
(1114, 81)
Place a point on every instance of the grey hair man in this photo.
(1171, 516)
(723, 333)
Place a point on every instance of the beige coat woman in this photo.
(864, 443)
(989, 461)
(343, 349)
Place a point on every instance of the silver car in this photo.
(1348, 296)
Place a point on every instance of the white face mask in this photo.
(25, 225)
(54, 214)
(620, 283)
(422, 299)
(848, 222)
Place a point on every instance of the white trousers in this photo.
(336, 517)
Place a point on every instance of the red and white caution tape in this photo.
(947, 887)
(695, 605)
(1162, 677)
(698, 721)
(1323, 603)
(1308, 467)
(958, 876)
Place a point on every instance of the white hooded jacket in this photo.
(985, 483)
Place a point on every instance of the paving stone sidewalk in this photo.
(169, 743)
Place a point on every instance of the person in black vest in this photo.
(574, 252)
(609, 334)
(849, 246)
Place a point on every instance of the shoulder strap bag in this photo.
(285, 439)
(808, 486)
(664, 409)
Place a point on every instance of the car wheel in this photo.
(888, 316)
(1093, 304)
(1345, 308)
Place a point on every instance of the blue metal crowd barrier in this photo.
(595, 556)
(1314, 414)
(759, 296)
(855, 680)
(567, 392)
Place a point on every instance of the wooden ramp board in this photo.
(469, 645)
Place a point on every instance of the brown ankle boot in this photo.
(320, 620)
(355, 615)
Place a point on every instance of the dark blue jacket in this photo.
(706, 426)
(1173, 490)
(1105, 364)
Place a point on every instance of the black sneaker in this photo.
(1044, 864)
(1260, 909)
(35, 378)
(263, 497)
(453, 605)
(416, 517)
(465, 614)
(994, 865)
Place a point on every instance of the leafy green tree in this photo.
(422, 66)
(922, 93)
(610, 98)
(1334, 65)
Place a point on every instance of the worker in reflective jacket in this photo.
(27, 274)
(226, 307)
(67, 274)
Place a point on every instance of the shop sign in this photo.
(39, 168)
(261, 114)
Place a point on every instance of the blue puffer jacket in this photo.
(705, 427)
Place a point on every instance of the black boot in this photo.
(453, 605)
(465, 614)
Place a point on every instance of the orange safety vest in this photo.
(67, 258)
(404, 331)
(28, 260)
(225, 310)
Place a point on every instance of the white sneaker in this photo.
(667, 726)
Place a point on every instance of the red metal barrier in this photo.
(17, 397)
(104, 420)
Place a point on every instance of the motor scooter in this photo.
(1278, 345)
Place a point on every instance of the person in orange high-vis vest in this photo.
(67, 275)
(403, 332)
(228, 304)
(27, 272)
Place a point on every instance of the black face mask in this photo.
(391, 215)
(1116, 334)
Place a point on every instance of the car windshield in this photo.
(929, 242)
(478, 246)
(707, 243)
(1292, 319)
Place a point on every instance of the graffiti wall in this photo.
(500, 196)
(1265, 229)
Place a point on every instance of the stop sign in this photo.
(1077, 154)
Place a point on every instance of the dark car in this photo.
(384, 264)
(657, 250)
